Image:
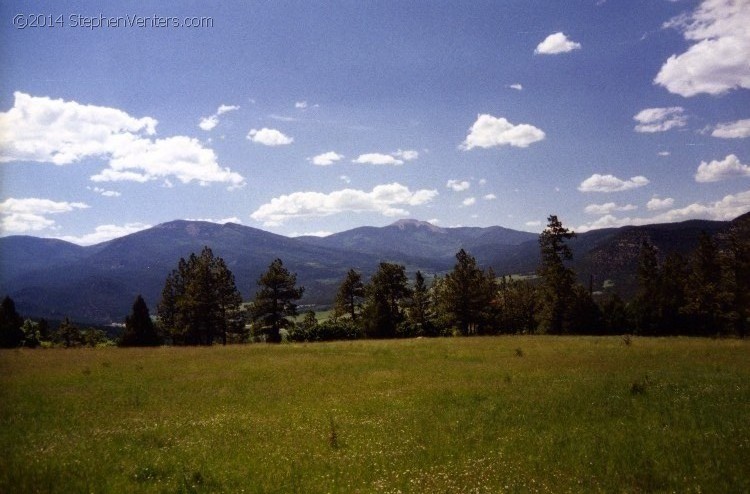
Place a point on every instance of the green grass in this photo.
(501, 414)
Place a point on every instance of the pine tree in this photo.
(200, 301)
(420, 308)
(557, 280)
(350, 296)
(647, 299)
(11, 334)
(704, 303)
(275, 301)
(469, 294)
(139, 328)
(387, 290)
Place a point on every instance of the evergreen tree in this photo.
(469, 293)
(11, 334)
(737, 276)
(350, 296)
(139, 328)
(517, 306)
(200, 301)
(557, 280)
(420, 308)
(671, 296)
(385, 293)
(275, 301)
(703, 297)
(648, 295)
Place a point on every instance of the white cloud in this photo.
(222, 221)
(490, 197)
(655, 203)
(610, 183)
(489, 131)
(319, 233)
(301, 105)
(556, 43)
(607, 208)
(326, 159)
(733, 130)
(433, 221)
(469, 201)
(660, 119)
(717, 61)
(181, 157)
(226, 109)
(728, 208)
(387, 199)
(458, 185)
(104, 233)
(517, 87)
(663, 153)
(729, 167)
(407, 155)
(208, 123)
(533, 223)
(62, 132)
(377, 159)
(104, 192)
(30, 214)
(269, 137)
(345, 178)
(44, 130)
(482, 181)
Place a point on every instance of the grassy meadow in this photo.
(495, 414)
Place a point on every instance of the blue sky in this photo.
(314, 117)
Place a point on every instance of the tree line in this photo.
(706, 293)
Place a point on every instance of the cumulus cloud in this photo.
(378, 159)
(458, 185)
(211, 121)
(733, 130)
(44, 130)
(387, 199)
(660, 119)
(490, 197)
(607, 208)
(469, 201)
(556, 43)
(728, 208)
(610, 183)
(181, 157)
(716, 62)
(300, 105)
(30, 214)
(489, 131)
(104, 233)
(663, 153)
(326, 159)
(269, 137)
(345, 178)
(655, 203)
(729, 167)
(517, 87)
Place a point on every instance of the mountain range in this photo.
(97, 284)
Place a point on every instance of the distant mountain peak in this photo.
(412, 223)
